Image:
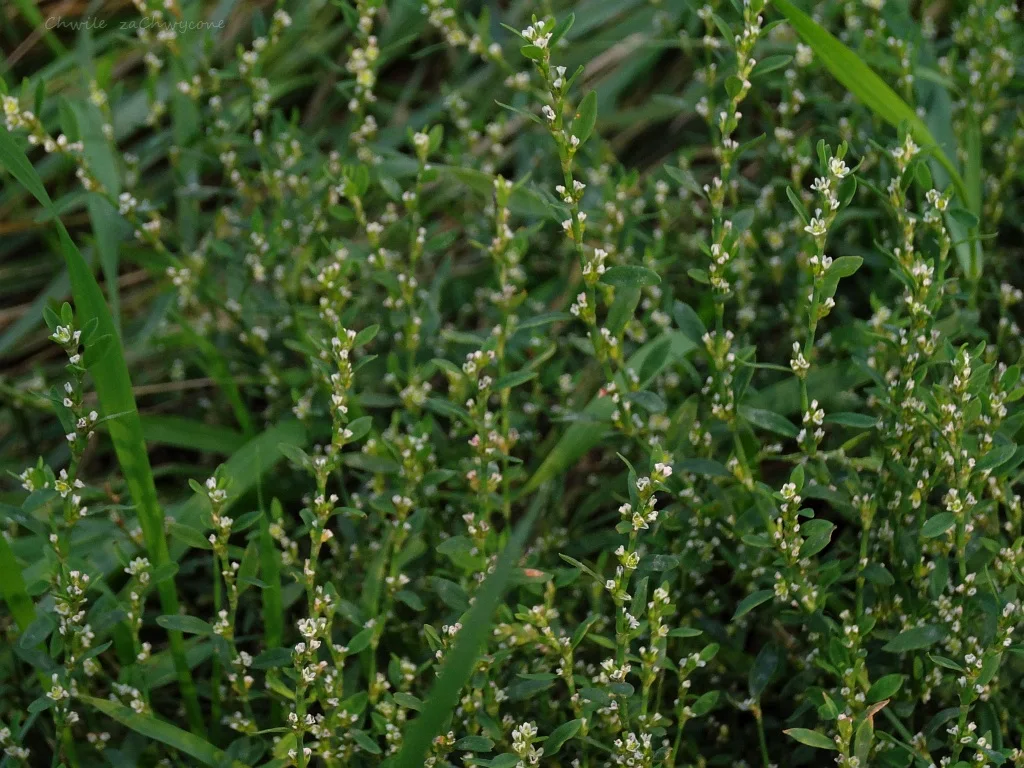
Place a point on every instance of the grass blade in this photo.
(270, 574)
(114, 388)
(12, 588)
(107, 224)
(14, 592)
(195, 435)
(272, 601)
(148, 725)
(458, 666)
(860, 80)
(35, 19)
(972, 173)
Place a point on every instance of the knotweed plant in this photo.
(532, 384)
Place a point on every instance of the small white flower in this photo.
(816, 228)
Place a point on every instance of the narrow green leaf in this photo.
(915, 638)
(942, 661)
(510, 380)
(773, 422)
(859, 79)
(811, 738)
(366, 335)
(561, 29)
(149, 726)
(182, 432)
(189, 536)
(689, 322)
(37, 632)
(849, 419)
(270, 572)
(193, 625)
(938, 524)
(533, 52)
(818, 534)
(631, 276)
(844, 266)
(770, 64)
(750, 602)
(117, 400)
(884, 688)
(458, 665)
(763, 670)
(473, 743)
(560, 735)
(798, 206)
(705, 703)
(586, 117)
(12, 587)
(583, 567)
(543, 319)
(622, 308)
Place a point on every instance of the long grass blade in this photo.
(270, 574)
(114, 388)
(12, 588)
(182, 432)
(458, 666)
(153, 728)
(107, 225)
(860, 80)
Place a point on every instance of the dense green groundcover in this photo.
(511, 383)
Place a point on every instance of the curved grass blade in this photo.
(860, 80)
(188, 743)
(458, 666)
(114, 388)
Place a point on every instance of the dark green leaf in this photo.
(884, 688)
(192, 625)
(630, 276)
(773, 422)
(560, 735)
(915, 638)
(936, 525)
(586, 117)
(462, 658)
(750, 602)
(814, 739)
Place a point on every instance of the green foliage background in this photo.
(695, 442)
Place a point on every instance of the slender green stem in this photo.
(762, 742)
